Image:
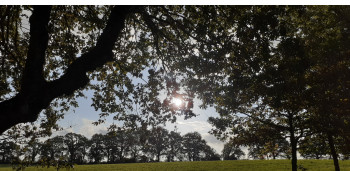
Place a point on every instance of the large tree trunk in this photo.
(333, 152)
(293, 143)
(294, 152)
(36, 93)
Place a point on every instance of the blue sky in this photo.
(79, 121)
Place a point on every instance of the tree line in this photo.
(120, 146)
(155, 145)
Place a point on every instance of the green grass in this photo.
(240, 165)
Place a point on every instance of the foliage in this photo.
(97, 148)
(71, 38)
(120, 146)
(33, 149)
(175, 147)
(284, 67)
(8, 151)
(196, 148)
(158, 142)
(232, 151)
(275, 72)
(77, 146)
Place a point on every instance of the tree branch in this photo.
(36, 94)
(33, 70)
(75, 76)
(23, 107)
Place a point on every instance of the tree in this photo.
(175, 147)
(262, 139)
(111, 146)
(209, 154)
(35, 93)
(329, 75)
(314, 147)
(136, 145)
(232, 152)
(76, 146)
(52, 149)
(263, 72)
(117, 144)
(48, 73)
(193, 145)
(282, 70)
(266, 62)
(97, 148)
(33, 149)
(83, 150)
(158, 142)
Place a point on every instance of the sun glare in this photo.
(177, 101)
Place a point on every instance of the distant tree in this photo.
(76, 146)
(175, 147)
(111, 147)
(123, 138)
(52, 149)
(33, 149)
(136, 145)
(232, 152)
(209, 154)
(264, 140)
(117, 144)
(255, 151)
(343, 147)
(158, 142)
(97, 148)
(83, 150)
(277, 148)
(193, 145)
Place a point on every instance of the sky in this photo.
(79, 120)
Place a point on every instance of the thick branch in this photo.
(75, 76)
(24, 106)
(36, 94)
(33, 71)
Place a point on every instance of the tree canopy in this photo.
(281, 68)
(48, 62)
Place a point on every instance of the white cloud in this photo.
(84, 127)
(202, 127)
(213, 142)
(191, 126)
(88, 129)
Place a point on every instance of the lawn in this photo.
(240, 165)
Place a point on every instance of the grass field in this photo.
(240, 165)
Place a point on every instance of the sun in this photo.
(178, 102)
